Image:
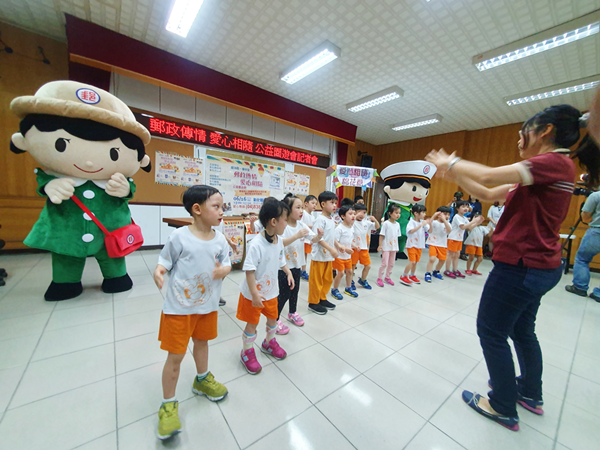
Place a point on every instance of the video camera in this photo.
(584, 189)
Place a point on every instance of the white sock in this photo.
(202, 376)
(168, 400)
(270, 333)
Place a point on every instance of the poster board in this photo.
(236, 229)
(177, 170)
(297, 183)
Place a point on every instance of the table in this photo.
(178, 222)
(571, 237)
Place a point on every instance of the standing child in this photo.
(344, 235)
(455, 239)
(388, 244)
(198, 259)
(260, 288)
(416, 228)
(474, 245)
(438, 242)
(310, 204)
(295, 232)
(363, 226)
(323, 254)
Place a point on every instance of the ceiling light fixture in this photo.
(314, 60)
(553, 91)
(419, 122)
(566, 33)
(182, 16)
(375, 99)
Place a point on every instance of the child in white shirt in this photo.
(438, 242)
(344, 235)
(388, 245)
(474, 246)
(363, 226)
(415, 231)
(221, 229)
(310, 204)
(455, 239)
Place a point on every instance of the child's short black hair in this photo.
(308, 198)
(197, 194)
(458, 195)
(416, 209)
(391, 208)
(346, 202)
(272, 209)
(462, 203)
(445, 209)
(82, 128)
(477, 214)
(326, 196)
(360, 207)
(358, 197)
(344, 209)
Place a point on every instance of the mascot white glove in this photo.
(118, 186)
(59, 190)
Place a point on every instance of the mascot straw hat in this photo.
(80, 101)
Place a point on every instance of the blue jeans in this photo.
(508, 308)
(590, 247)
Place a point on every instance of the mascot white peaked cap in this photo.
(89, 146)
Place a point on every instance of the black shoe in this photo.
(317, 308)
(2, 282)
(573, 290)
(595, 297)
(119, 284)
(62, 291)
(3, 273)
(222, 302)
(326, 304)
(401, 255)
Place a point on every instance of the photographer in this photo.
(590, 247)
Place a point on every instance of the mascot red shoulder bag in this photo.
(122, 241)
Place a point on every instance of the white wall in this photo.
(149, 218)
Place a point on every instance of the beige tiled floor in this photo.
(382, 371)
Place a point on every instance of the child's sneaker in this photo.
(317, 308)
(210, 387)
(353, 286)
(168, 420)
(458, 274)
(282, 328)
(468, 272)
(250, 362)
(351, 292)
(295, 319)
(304, 275)
(327, 305)
(437, 275)
(405, 280)
(427, 277)
(272, 348)
(364, 283)
(476, 273)
(414, 279)
(449, 274)
(379, 282)
(335, 293)
(389, 281)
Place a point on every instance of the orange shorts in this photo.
(307, 248)
(414, 254)
(175, 331)
(439, 252)
(342, 264)
(472, 250)
(361, 256)
(454, 246)
(248, 313)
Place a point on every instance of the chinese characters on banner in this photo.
(177, 170)
(244, 184)
(235, 230)
(361, 177)
(297, 183)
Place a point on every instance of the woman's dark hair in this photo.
(82, 128)
(358, 197)
(445, 209)
(346, 202)
(344, 210)
(588, 155)
(326, 196)
(360, 207)
(308, 198)
(197, 194)
(416, 209)
(391, 208)
(289, 200)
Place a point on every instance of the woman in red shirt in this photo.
(527, 252)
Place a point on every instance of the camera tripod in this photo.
(569, 242)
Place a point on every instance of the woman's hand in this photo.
(441, 159)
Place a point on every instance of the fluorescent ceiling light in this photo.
(182, 16)
(378, 98)
(419, 122)
(566, 33)
(314, 60)
(553, 91)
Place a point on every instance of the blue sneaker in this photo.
(437, 275)
(351, 292)
(304, 275)
(353, 286)
(336, 294)
(364, 284)
(427, 277)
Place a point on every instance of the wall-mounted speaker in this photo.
(366, 161)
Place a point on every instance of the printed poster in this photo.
(297, 183)
(177, 170)
(192, 171)
(235, 230)
(352, 176)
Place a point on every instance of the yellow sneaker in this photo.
(168, 420)
(213, 390)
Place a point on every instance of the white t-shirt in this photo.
(318, 251)
(220, 228)
(438, 236)
(266, 260)
(307, 219)
(258, 226)
(362, 229)
(416, 239)
(391, 233)
(457, 234)
(294, 253)
(476, 235)
(344, 236)
(494, 213)
(191, 262)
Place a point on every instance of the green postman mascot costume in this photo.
(406, 183)
(89, 145)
